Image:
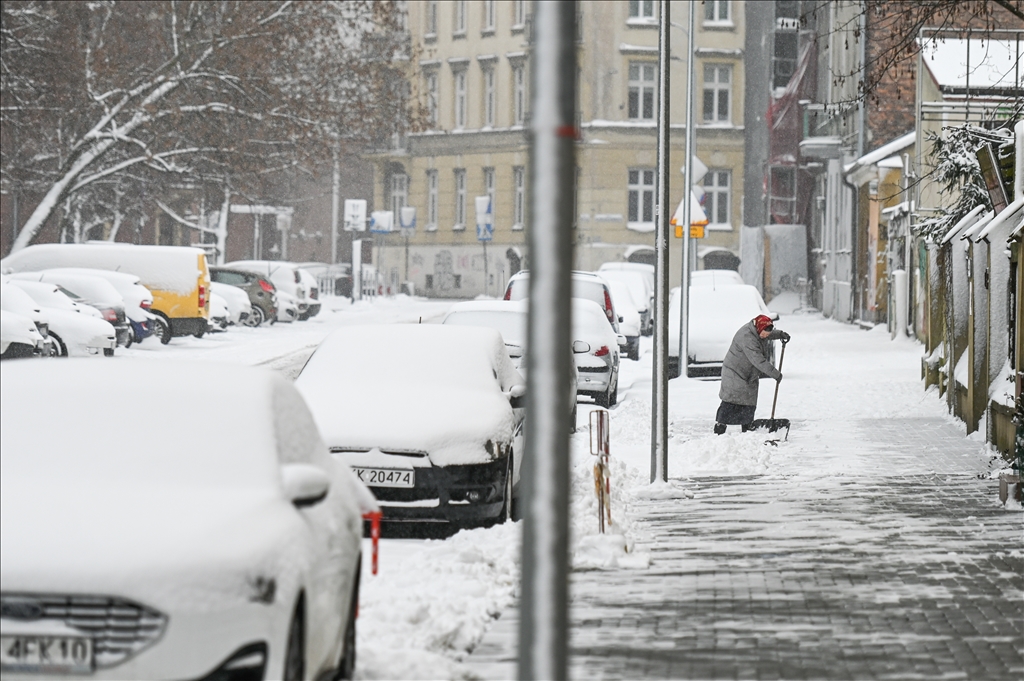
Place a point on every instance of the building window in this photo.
(429, 281)
(518, 15)
(459, 24)
(430, 29)
(489, 17)
(642, 10)
(431, 88)
(518, 197)
(716, 203)
(460, 99)
(518, 94)
(642, 78)
(431, 200)
(460, 199)
(717, 80)
(399, 194)
(488, 96)
(457, 280)
(716, 11)
(641, 196)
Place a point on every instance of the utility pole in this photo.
(543, 645)
(684, 284)
(659, 425)
(335, 205)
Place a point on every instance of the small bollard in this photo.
(374, 518)
(600, 436)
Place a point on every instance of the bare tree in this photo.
(101, 99)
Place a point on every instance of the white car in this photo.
(287, 307)
(429, 416)
(598, 367)
(237, 559)
(89, 290)
(73, 328)
(716, 278)
(641, 288)
(716, 314)
(13, 299)
(630, 323)
(237, 300)
(220, 313)
(138, 300)
(312, 290)
(19, 336)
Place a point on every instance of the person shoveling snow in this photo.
(744, 365)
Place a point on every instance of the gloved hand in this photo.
(785, 337)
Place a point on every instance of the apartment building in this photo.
(470, 71)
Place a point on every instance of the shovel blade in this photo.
(773, 425)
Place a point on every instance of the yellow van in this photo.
(177, 276)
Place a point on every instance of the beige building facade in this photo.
(470, 71)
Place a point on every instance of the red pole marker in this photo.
(374, 518)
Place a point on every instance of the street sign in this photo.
(382, 221)
(484, 219)
(698, 220)
(407, 220)
(355, 215)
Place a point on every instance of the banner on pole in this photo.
(407, 221)
(382, 221)
(355, 215)
(484, 219)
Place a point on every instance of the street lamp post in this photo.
(659, 426)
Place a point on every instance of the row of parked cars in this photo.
(80, 299)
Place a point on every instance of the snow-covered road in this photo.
(434, 599)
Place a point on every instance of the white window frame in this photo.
(431, 225)
(430, 20)
(459, 20)
(461, 104)
(489, 17)
(489, 190)
(716, 8)
(518, 15)
(718, 192)
(460, 200)
(519, 94)
(489, 95)
(643, 12)
(717, 89)
(640, 192)
(641, 86)
(431, 88)
(518, 197)
(399, 194)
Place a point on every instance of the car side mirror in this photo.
(579, 347)
(514, 351)
(304, 484)
(775, 316)
(622, 340)
(621, 319)
(517, 396)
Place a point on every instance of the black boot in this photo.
(719, 428)
(747, 426)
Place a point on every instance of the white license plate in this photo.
(386, 477)
(46, 654)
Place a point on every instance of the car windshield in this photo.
(511, 325)
(588, 320)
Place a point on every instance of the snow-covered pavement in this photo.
(860, 511)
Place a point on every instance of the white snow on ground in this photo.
(433, 600)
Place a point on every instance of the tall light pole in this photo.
(543, 628)
(659, 424)
(684, 283)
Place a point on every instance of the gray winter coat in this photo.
(745, 363)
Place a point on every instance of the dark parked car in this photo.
(261, 292)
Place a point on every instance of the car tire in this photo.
(603, 399)
(572, 419)
(613, 393)
(108, 352)
(634, 350)
(131, 339)
(295, 649)
(347, 665)
(303, 316)
(162, 330)
(199, 334)
(508, 508)
(59, 349)
(256, 317)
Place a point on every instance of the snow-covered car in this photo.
(261, 292)
(630, 324)
(429, 416)
(285, 277)
(312, 290)
(598, 368)
(19, 336)
(13, 299)
(73, 328)
(220, 313)
(716, 314)
(641, 288)
(287, 307)
(236, 559)
(508, 317)
(89, 290)
(138, 300)
(237, 300)
(716, 278)
(585, 285)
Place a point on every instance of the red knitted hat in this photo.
(762, 322)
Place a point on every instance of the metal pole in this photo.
(659, 426)
(486, 288)
(543, 628)
(684, 281)
(335, 206)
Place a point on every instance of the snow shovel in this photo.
(773, 424)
